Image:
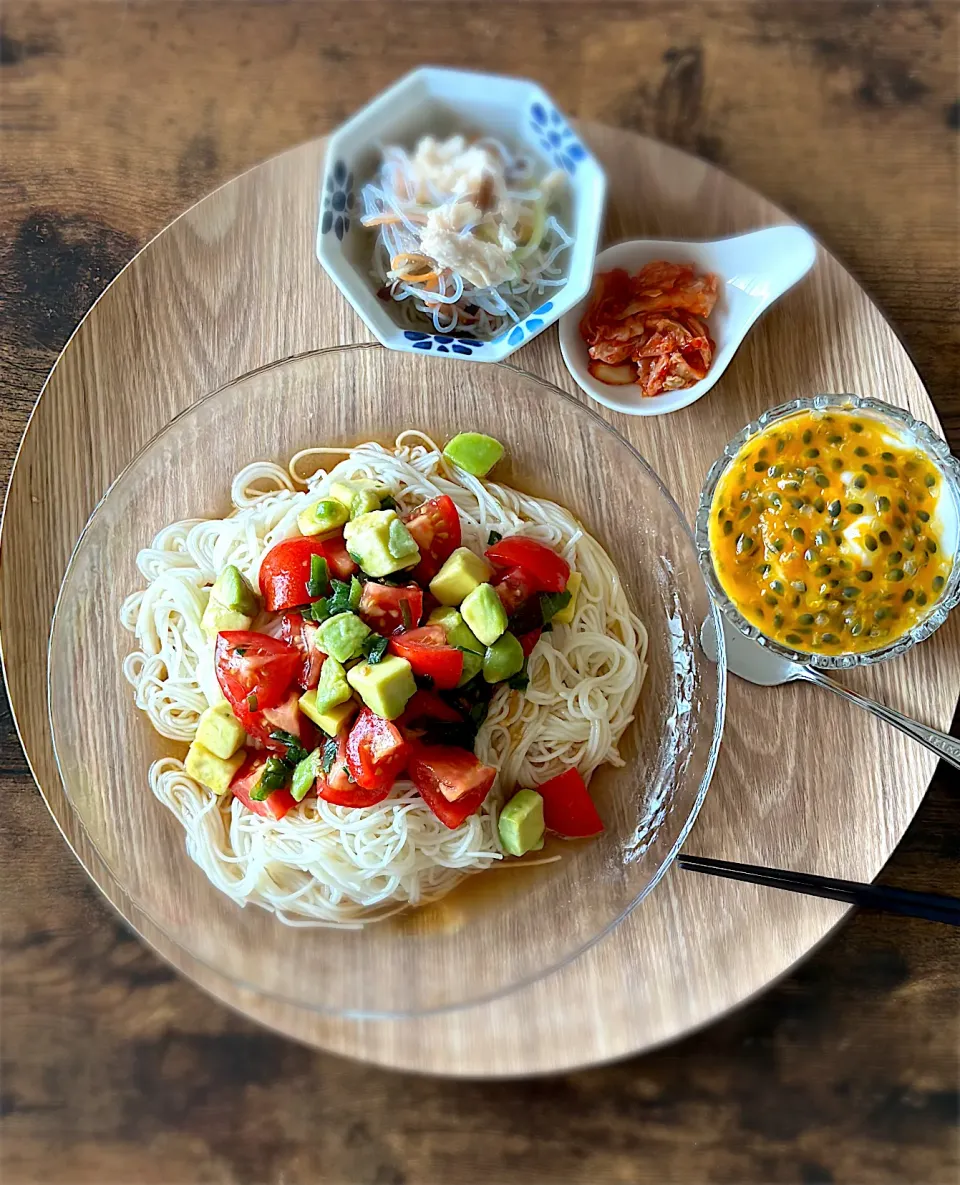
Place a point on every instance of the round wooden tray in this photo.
(803, 781)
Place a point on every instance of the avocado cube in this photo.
(474, 452)
(458, 632)
(323, 517)
(385, 686)
(472, 666)
(380, 543)
(342, 636)
(503, 659)
(331, 721)
(220, 731)
(521, 823)
(565, 616)
(360, 496)
(333, 687)
(217, 617)
(212, 771)
(462, 571)
(484, 614)
(232, 590)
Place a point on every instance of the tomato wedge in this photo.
(451, 781)
(245, 781)
(548, 571)
(284, 572)
(254, 670)
(376, 752)
(287, 717)
(515, 589)
(381, 607)
(424, 705)
(338, 787)
(427, 652)
(436, 528)
(334, 551)
(528, 641)
(567, 806)
(303, 635)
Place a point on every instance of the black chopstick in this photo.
(933, 907)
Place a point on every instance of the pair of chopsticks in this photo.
(933, 907)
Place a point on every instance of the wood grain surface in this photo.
(846, 1072)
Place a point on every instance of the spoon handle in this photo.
(941, 743)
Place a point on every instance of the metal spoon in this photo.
(756, 664)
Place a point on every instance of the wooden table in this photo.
(115, 117)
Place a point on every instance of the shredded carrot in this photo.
(393, 219)
(416, 277)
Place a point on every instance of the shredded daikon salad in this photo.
(467, 237)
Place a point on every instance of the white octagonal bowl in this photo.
(440, 103)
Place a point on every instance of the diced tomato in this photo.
(435, 526)
(376, 752)
(338, 786)
(548, 571)
(244, 783)
(254, 665)
(425, 705)
(515, 588)
(451, 781)
(287, 717)
(284, 572)
(381, 607)
(427, 652)
(567, 806)
(334, 551)
(528, 641)
(303, 635)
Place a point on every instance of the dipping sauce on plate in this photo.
(825, 533)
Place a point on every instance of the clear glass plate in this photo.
(499, 929)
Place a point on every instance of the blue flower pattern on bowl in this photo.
(443, 343)
(529, 325)
(556, 138)
(338, 201)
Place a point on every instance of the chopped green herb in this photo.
(319, 610)
(553, 603)
(276, 774)
(388, 502)
(521, 680)
(339, 599)
(356, 592)
(374, 647)
(295, 751)
(252, 702)
(406, 614)
(329, 756)
(493, 537)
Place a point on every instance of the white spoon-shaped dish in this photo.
(755, 270)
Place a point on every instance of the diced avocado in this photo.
(484, 614)
(462, 571)
(333, 687)
(342, 636)
(217, 617)
(320, 518)
(216, 773)
(385, 686)
(521, 823)
(565, 616)
(474, 452)
(359, 496)
(380, 543)
(305, 775)
(231, 590)
(472, 665)
(331, 721)
(503, 659)
(220, 731)
(459, 633)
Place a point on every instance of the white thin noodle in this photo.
(329, 865)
